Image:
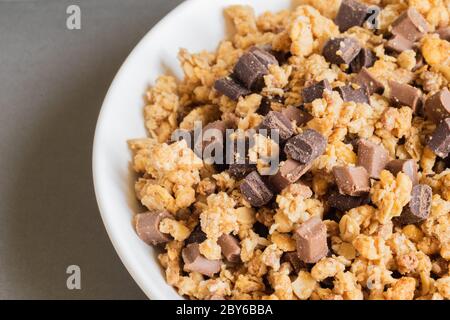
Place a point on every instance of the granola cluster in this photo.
(217, 244)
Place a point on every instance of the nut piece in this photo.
(372, 156)
(352, 181)
(194, 261)
(311, 239)
(230, 247)
(147, 227)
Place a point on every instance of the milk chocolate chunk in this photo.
(352, 181)
(264, 56)
(411, 25)
(405, 95)
(315, 91)
(367, 80)
(230, 88)
(341, 50)
(372, 157)
(365, 59)
(344, 202)
(231, 249)
(419, 206)
(399, 44)
(288, 173)
(276, 121)
(437, 107)
(408, 167)
(255, 190)
(250, 71)
(311, 240)
(147, 227)
(348, 93)
(210, 147)
(306, 147)
(294, 260)
(194, 261)
(444, 33)
(440, 139)
(351, 13)
(297, 114)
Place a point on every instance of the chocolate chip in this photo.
(294, 260)
(231, 248)
(315, 91)
(351, 13)
(343, 202)
(341, 50)
(297, 114)
(276, 121)
(311, 240)
(408, 167)
(365, 59)
(440, 139)
(399, 44)
(288, 173)
(264, 56)
(196, 236)
(147, 227)
(410, 24)
(437, 107)
(372, 85)
(348, 93)
(444, 33)
(306, 147)
(352, 181)
(194, 261)
(255, 190)
(405, 95)
(250, 71)
(230, 88)
(372, 156)
(419, 206)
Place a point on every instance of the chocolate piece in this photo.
(240, 170)
(341, 50)
(311, 240)
(194, 261)
(196, 236)
(408, 167)
(372, 156)
(250, 71)
(352, 181)
(351, 13)
(288, 173)
(297, 114)
(366, 80)
(399, 44)
(440, 139)
(306, 147)
(265, 106)
(437, 107)
(419, 206)
(405, 95)
(294, 260)
(255, 190)
(277, 121)
(348, 93)
(147, 227)
(365, 59)
(344, 203)
(212, 141)
(410, 25)
(230, 247)
(260, 229)
(240, 164)
(265, 57)
(230, 88)
(315, 91)
(444, 33)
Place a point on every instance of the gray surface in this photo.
(52, 83)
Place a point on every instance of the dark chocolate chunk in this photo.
(352, 181)
(260, 229)
(341, 50)
(440, 139)
(365, 59)
(294, 260)
(419, 206)
(288, 173)
(240, 164)
(373, 157)
(315, 91)
(250, 71)
(444, 33)
(348, 93)
(437, 107)
(399, 44)
(276, 121)
(408, 167)
(231, 248)
(265, 106)
(344, 202)
(306, 147)
(147, 227)
(372, 85)
(405, 95)
(297, 114)
(255, 190)
(265, 57)
(196, 236)
(210, 147)
(194, 261)
(410, 25)
(230, 88)
(311, 240)
(351, 13)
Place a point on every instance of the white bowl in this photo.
(194, 25)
